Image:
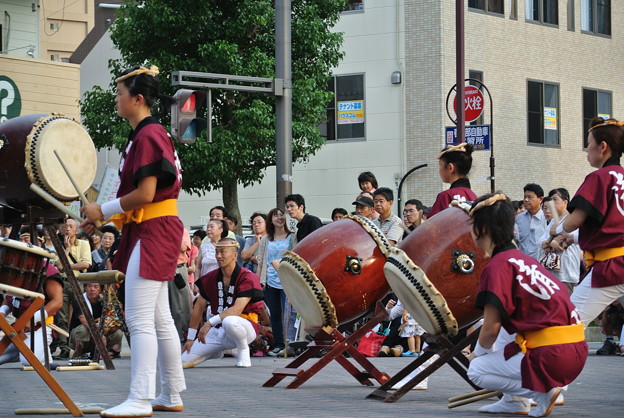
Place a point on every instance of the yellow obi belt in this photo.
(565, 334)
(602, 254)
(153, 210)
(251, 316)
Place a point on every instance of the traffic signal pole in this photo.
(283, 103)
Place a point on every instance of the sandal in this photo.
(621, 353)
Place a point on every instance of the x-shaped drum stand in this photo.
(449, 353)
(336, 345)
(15, 334)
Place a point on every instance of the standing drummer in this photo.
(518, 295)
(53, 292)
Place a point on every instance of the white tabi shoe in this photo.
(168, 403)
(507, 406)
(559, 402)
(244, 358)
(129, 408)
(545, 403)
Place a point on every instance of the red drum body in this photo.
(27, 146)
(335, 275)
(435, 273)
(22, 265)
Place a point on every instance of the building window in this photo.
(346, 111)
(596, 16)
(595, 103)
(513, 9)
(476, 75)
(571, 25)
(354, 5)
(490, 6)
(543, 113)
(543, 11)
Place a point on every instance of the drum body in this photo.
(22, 265)
(27, 146)
(435, 273)
(335, 275)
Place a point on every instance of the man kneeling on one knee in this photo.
(235, 298)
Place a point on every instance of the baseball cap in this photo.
(364, 201)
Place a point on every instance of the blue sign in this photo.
(477, 135)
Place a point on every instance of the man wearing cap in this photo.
(235, 298)
(364, 207)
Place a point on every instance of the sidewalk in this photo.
(217, 388)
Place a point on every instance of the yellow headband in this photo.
(606, 123)
(450, 148)
(488, 202)
(152, 70)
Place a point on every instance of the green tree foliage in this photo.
(228, 37)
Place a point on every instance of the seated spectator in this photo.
(102, 254)
(338, 214)
(80, 339)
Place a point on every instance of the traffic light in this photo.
(185, 125)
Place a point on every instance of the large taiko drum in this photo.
(335, 275)
(22, 265)
(27, 146)
(435, 273)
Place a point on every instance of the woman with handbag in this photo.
(562, 255)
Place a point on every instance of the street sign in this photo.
(477, 135)
(473, 99)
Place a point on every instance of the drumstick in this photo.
(102, 277)
(51, 200)
(469, 395)
(553, 211)
(491, 394)
(83, 198)
(58, 329)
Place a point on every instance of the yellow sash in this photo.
(253, 317)
(564, 334)
(153, 210)
(602, 254)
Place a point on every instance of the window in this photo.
(476, 75)
(596, 16)
(346, 111)
(571, 15)
(490, 6)
(543, 113)
(595, 103)
(543, 11)
(354, 5)
(513, 9)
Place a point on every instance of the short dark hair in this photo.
(535, 188)
(339, 210)
(256, 214)
(461, 159)
(221, 208)
(385, 192)
(497, 220)
(419, 205)
(200, 233)
(563, 193)
(232, 218)
(297, 198)
(369, 177)
(111, 229)
(517, 204)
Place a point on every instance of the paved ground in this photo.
(216, 388)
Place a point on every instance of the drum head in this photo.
(22, 246)
(75, 148)
(306, 292)
(418, 295)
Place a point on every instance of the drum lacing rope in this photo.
(319, 291)
(374, 232)
(423, 293)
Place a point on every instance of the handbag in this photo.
(551, 261)
(370, 344)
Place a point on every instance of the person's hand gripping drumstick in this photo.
(92, 216)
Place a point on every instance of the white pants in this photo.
(591, 301)
(12, 354)
(235, 332)
(153, 335)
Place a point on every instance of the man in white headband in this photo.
(235, 298)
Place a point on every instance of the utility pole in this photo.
(459, 70)
(283, 103)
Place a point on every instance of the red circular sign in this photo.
(473, 99)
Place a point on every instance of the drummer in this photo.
(53, 292)
(518, 295)
(455, 164)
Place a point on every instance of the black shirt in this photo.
(307, 225)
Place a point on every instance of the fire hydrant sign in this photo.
(473, 100)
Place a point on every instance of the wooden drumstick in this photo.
(469, 395)
(553, 211)
(102, 277)
(472, 399)
(51, 200)
(83, 198)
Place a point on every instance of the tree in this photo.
(229, 37)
